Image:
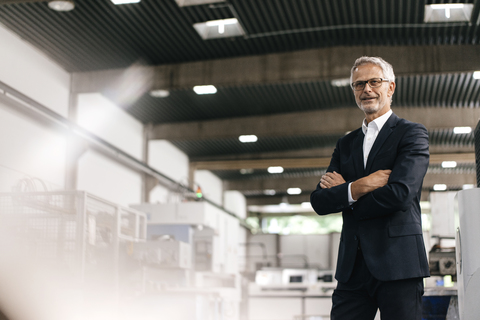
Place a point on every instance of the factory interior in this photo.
(158, 156)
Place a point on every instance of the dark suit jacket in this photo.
(387, 221)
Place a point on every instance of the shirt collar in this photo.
(379, 122)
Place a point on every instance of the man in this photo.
(375, 178)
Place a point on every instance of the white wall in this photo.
(29, 71)
(29, 148)
(212, 187)
(99, 174)
(235, 202)
(103, 118)
(170, 161)
(110, 180)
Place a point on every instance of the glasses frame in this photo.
(364, 82)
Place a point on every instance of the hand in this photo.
(369, 183)
(331, 179)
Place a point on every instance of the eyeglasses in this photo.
(373, 83)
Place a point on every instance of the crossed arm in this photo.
(359, 187)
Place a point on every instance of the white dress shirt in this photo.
(370, 131)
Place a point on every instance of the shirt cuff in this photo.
(350, 198)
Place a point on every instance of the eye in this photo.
(374, 82)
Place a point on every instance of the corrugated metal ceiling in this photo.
(98, 35)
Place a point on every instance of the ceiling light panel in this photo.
(440, 187)
(117, 2)
(214, 29)
(248, 138)
(184, 3)
(208, 89)
(61, 5)
(294, 191)
(462, 130)
(448, 12)
(275, 169)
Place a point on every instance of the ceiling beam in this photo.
(308, 184)
(306, 65)
(325, 152)
(308, 162)
(321, 122)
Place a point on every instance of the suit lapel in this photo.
(387, 129)
(358, 154)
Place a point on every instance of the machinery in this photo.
(192, 254)
(468, 255)
(72, 240)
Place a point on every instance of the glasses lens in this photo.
(359, 85)
(374, 83)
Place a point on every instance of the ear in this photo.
(391, 88)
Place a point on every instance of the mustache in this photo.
(362, 97)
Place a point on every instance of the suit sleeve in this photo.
(333, 200)
(405, 181)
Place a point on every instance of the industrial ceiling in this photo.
(282, 80)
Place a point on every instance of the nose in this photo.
(367, 87)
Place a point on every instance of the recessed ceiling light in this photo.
(294, 191)
(208, 89)
(248, 138)
(345, 82)
(275, 169)
(117, 2)
(468, 186)
(246, 171)
(462, 130)
(449, 164)
(222, 28)
(448, 12)
(161, 93)
(61, 5)
(269, 192)
(476, 75)
(440, 187)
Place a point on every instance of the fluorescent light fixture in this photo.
(275, 169)
(440, 187)
(208, 89)
(184, 3)
(246, 171)
(345, 82)
(248, 138)
(462, 130)
(161, 93)
(294, 191)
(448, 12)
(447, 6)
(117, 2)
(476, 75)
(222, 28)
(449, 164)
(269, 192)
(468, 186)
(221, 24)
(61, 5)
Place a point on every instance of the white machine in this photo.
(468, 255)
(193, 261)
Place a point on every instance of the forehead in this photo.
(367, 71)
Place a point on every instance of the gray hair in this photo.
(386, 67)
